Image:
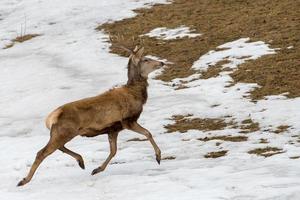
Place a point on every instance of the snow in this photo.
(237, 52)
(171, 34)
(70, 60)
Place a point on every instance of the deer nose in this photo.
(162, 63)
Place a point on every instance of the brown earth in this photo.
(21, 39)
(266, 152)
(274, 21)
(248, 126)
(216, 154)
(183, 123)
(225, 138)
(169, 158)
(281, 129)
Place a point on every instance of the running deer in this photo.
(107, 113)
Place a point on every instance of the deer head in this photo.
(139, 66)
(143, 65)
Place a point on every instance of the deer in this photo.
(108, 113)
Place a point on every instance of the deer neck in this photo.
(137, 84)
(139, 90)
(134, 74)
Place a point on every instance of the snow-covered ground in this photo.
(171, 34)
(70, 60)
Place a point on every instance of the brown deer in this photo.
(108, 113)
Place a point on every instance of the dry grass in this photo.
(25, 37)
(266, 152)
(169, 158)
(8, 46)
(184, 123)
(181, 86)
(214, 71)
(216, 154)
(263, 141)
(21, 39)
(281, 129)
(220, 22)
(295, 157)
(249, 126)
(276, 74)
(225, 138)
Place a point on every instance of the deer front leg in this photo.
(112, 138)
(134, 126)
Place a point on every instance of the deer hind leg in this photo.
(41, 155)
(56, 141)
(77, 156)
(112, 138)
(134, 126)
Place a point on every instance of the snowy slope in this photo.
(70, 60)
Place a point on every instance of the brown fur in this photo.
(101, 112)
(108, 113)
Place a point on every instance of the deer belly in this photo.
(90, 132)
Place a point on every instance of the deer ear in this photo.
(137, 55)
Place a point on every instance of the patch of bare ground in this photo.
(183, 123)
(185, 140)
(216, 154)
(281, 129)
(214, 71)
(8, 46)
(182, 83)
(272, 21)
(181, 86)
(297, 138)
(210, 72)
(266, 152)
(116, 163)
(263, 141)
(249, 126)
(21, 39)
(169, 158)
(295, 157)
(225, 138)
(137, 140)
(25, 37)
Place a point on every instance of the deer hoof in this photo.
(97, 170)
(22, 182)
(81, 164)
(158, 159)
